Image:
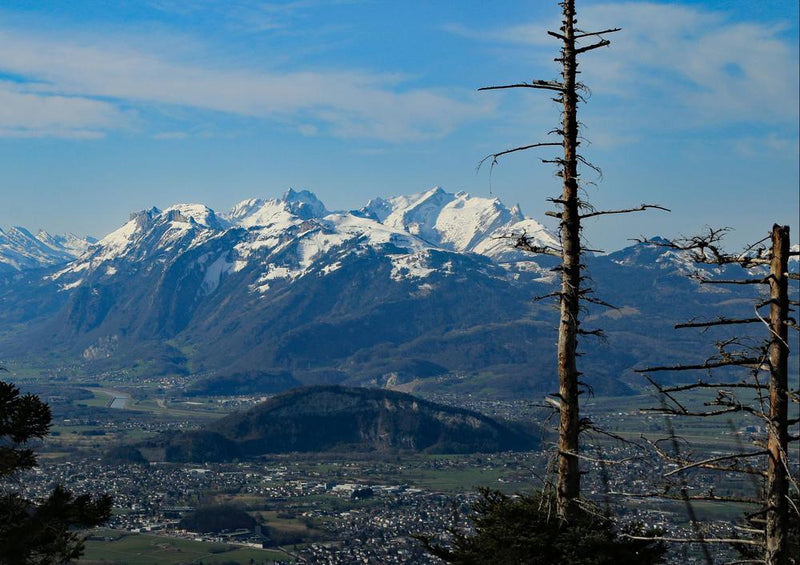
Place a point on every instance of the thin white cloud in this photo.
(343, 103)
(63, 133)
(771, 145)
(26, 114)
(168, 135)
(718, 70)
(308, 130)
(689, 62)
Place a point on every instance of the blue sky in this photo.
(111, 107)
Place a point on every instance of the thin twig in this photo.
(494, 156)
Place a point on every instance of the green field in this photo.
(108, 546)
(465, 480)
(100, 398)
(630, 418)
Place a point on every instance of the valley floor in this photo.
(341, 508)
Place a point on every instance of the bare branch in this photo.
(596, 429)
(540, 84)
(757, 245)
(524, 243)
(603, 461)
(625, 211)
(693, 414)
(693, 540)
(743, 362)
(700, 384)
(718, 322)
(705, 248)
(592, 166)
(589, 34)
(666, 394)
(730, 409)
(594, 300)
(704, 280)
(597, 45)
(711, 497)
(705, 462)
(679, 461)
(769, 328)
(494, 156)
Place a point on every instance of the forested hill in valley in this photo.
(415, 292)
(332, 418)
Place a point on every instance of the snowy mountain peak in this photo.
(143, 218)
(73, 244)
(377, 208)
(179, 216)
(45, 237)
(150, 232)
(19, 249)
(288, 210)
(193, 214)
(304, 204)
(458, 222)
(438, 191)
(417, 214)
(19, 232)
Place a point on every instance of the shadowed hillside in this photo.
(333, 418)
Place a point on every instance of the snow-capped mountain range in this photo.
(432, 219)
(20, 249)
(394, 293)
(286, 237)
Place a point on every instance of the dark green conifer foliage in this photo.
(43, 532)
(526, 530)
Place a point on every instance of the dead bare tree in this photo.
(764, 398)
(572, 211)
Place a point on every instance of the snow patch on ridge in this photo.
(214, 273)
(411, 266)
(70, 286)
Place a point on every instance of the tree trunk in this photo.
(568, 487)
(778, 440)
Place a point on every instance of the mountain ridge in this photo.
(287, 287)
(457, 222)
(21, 250)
